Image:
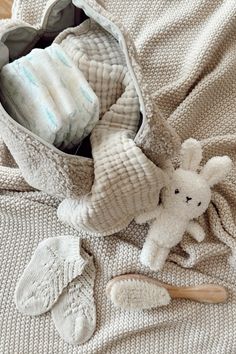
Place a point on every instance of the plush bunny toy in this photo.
(185, 197)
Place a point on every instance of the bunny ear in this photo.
(191, 154)
(216, 169)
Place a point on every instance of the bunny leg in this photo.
(153, 255)
(196, 231)
(161, 256)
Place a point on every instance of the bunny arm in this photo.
(149, 215)
(196, 231)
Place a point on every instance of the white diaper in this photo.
(46, 93)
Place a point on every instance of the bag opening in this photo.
(22, 39)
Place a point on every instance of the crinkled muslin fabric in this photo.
(184, 61)
(125, 180)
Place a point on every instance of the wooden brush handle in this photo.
(208, 293)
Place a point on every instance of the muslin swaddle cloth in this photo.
(46, 93)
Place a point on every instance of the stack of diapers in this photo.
(46, 93)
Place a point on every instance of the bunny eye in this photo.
(176, 191)
(199, 203)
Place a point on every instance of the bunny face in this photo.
(188, 194)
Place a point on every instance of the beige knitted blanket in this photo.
(185, 53)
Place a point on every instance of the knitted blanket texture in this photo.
(183, 57)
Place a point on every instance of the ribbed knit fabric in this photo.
(186, 50)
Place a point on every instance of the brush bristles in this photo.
(138, 295)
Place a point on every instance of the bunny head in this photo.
(188, 193)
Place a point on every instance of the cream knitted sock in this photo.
(55, 263)
(74, 314)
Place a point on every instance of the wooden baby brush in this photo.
(139, 292)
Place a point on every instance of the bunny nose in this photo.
(188, 198)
